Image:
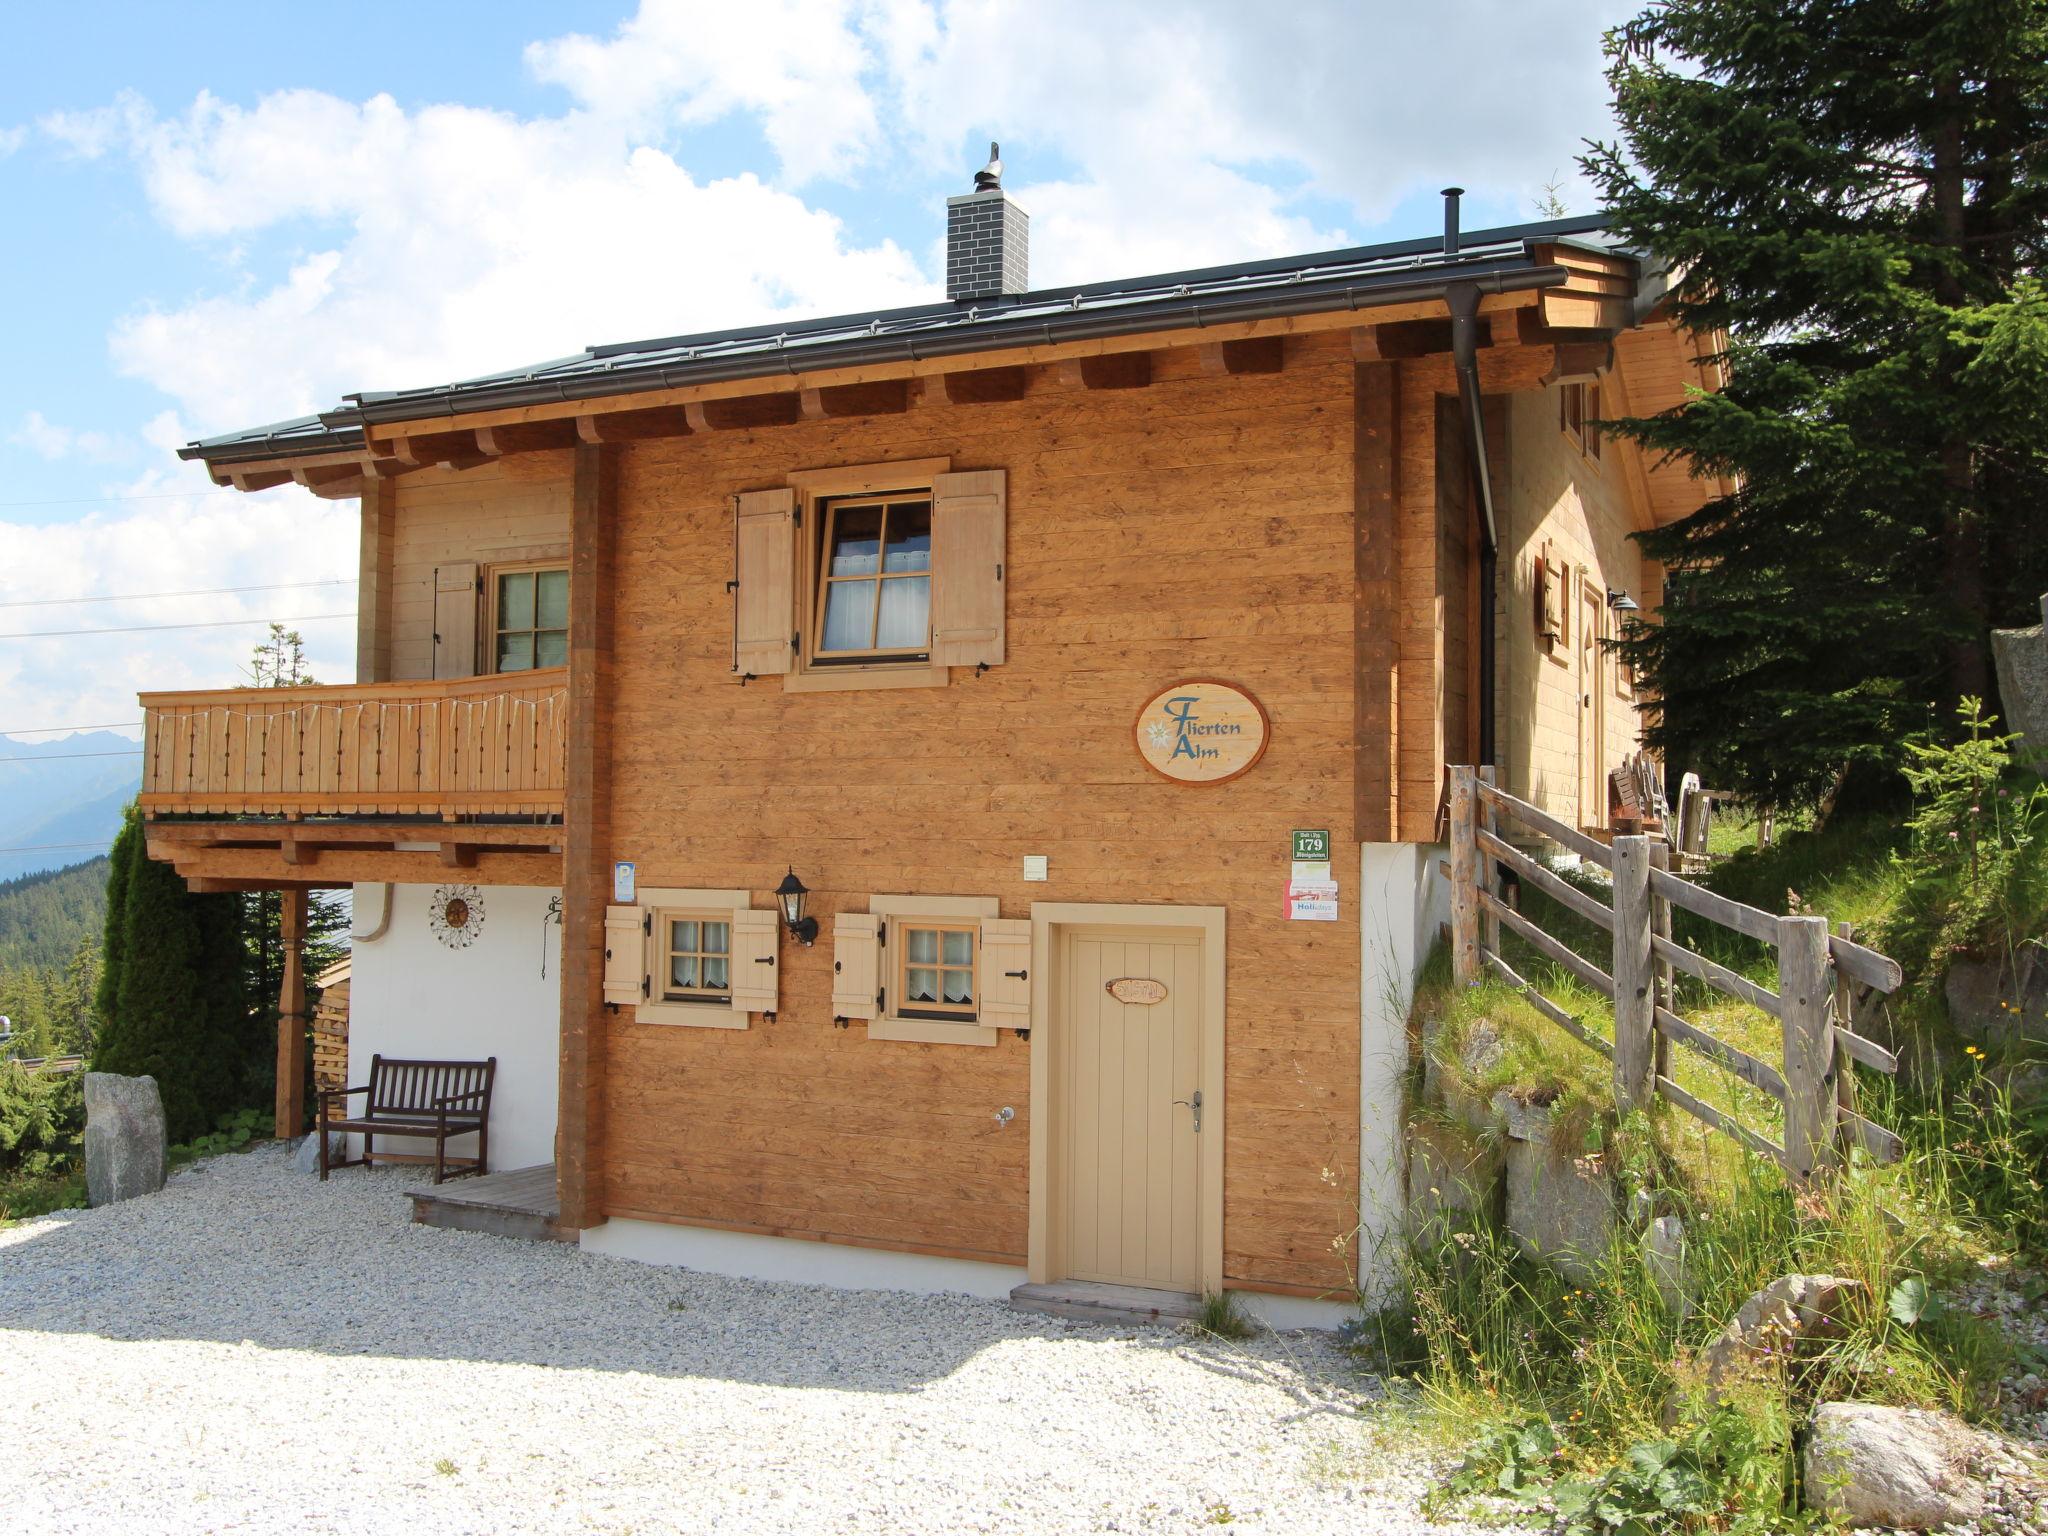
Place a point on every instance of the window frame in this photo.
(899, 914)
(672, 904)
(493, 576)
(939, 1011)
(666, 951)
(1578, 410)
(815, 490)
(829, 510)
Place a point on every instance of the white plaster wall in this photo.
(1403, 903)
(411, 995)
(756, 1256)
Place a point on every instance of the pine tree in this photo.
(172, 1000)
(1856, 193)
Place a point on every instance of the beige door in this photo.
(1130, 1174)
(1592, 707)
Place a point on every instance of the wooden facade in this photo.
(1285, 506)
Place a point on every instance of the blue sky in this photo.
(227, 214)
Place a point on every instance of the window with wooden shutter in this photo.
(1006, 972)
(754, 963)
(698, 949)
(455, 605)
(968, 571)
(625, 955)
(764, 576)
(931, 969)
(856, 969)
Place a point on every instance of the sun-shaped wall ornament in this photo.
(456, 914)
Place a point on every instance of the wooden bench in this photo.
(423, 1099)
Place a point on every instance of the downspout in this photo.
(383, 922)
(1463, 299)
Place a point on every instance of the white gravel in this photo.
(251, 1351)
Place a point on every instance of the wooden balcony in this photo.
(263, 787)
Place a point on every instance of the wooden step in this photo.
(1095, 1302)
(519, 1202)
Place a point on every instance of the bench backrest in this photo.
(408, 1086)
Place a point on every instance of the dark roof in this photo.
(1361, 277)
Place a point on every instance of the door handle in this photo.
(1194, 1104)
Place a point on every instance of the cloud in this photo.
(54, 442)
(800, 66)
(12, 139)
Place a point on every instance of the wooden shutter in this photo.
(455, 605)
(753, 961)
(1006, 972)
(967, 568)
(856, 965)
(625, 954)
(764, 566)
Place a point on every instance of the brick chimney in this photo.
(988, 238)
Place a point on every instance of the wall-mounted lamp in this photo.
(1621, 602)
(791, 894)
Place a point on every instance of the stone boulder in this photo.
(1905, 1468)
(1773, 1322)
(2021, 656)
(2001, 1002)
(1453, 1180)
(306, 1159)
(1559, 1208)
(124, 1138)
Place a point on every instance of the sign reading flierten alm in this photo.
(1201, 731)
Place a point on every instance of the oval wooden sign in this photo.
(1136, 989)
(1201, 731)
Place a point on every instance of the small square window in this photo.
(697, 959)
(936, 977)
(530, 618)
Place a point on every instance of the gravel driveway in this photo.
(252, 1351)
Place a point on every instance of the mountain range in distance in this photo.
(58, 806)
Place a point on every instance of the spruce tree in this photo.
(1854, 193)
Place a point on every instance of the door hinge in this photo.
(879, 1008)
(881, 933)
(647, 924)
(798, 517)
(647, 986)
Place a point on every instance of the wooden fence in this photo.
(1825, 979)
(493, 745)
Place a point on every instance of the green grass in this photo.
(24, 1196)
(1223, 1316)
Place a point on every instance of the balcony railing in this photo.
(480, 746)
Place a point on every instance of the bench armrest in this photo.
(340, 1093)
(457, 1098)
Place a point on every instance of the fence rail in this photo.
(1821, 973)
(494, 745)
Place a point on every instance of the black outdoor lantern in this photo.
(791, 894)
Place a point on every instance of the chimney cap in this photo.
(990, 177)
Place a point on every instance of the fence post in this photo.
(1844, 1002)
(1635, 1024)
(1489, 871)
(1806, 994)
(1660, 927)
(1464, 879)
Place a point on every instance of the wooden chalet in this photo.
(1091, 658)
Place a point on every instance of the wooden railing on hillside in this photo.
(493, 745)
(1820, 974)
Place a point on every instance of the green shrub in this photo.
(42, 1120)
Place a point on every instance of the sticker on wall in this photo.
(1201, 731)
(456, 914)
(1312, 901)
(1141, 990)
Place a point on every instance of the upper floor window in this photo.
(874, 597)
(938, 966)
(1578, 417)
(530, 618)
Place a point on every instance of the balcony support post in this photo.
(291, 1013)
(587, 837)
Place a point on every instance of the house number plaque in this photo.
(1142, 990)
(1201, 731)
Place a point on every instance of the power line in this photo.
(140, 629)
(59, 730)
(57, 847)
(141, 597)
(58, 757)
(94, 501)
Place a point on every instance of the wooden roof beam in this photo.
(258, 479)
(984, 386)
(423, 450)
(1109, 370)
(882, 397)
(526, 437)
(459, 855)
(331, 482)
(633, 426)
(742, 412)
(1252, 354)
